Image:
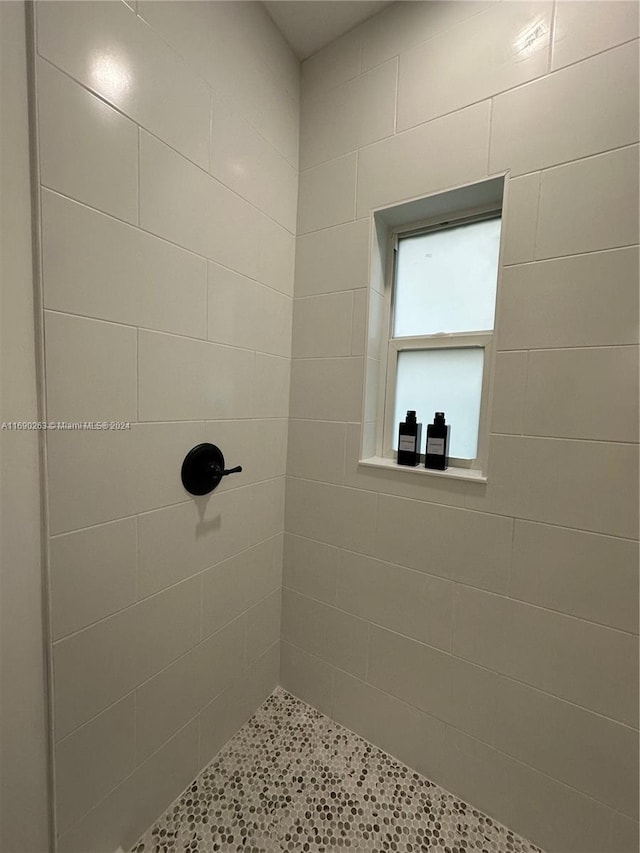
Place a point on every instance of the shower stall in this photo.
(326, 649)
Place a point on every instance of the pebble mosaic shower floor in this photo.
(293, 780)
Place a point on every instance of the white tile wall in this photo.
(578, 301)
(310, 568)
(520, 219)
(439, 154)
(587, 664)
(312, 378)
(248, 164)
(170, 699)
(316, 450)
(451, 689)
(271, 386)
(179, 541)
(96, 666)
(331, 313)
(262, 79)
(91, 369)
(101, 476)
(103, 169)
(117, 56)
(126, 275)
(562, 818)
(337, 63)
(344, 249)
(306, 675)
(245, 313)
(587, 485)
(589, 205)
(582, 749)
(160, 779)
(389, 33)
(327, 194)
(182, 203)
(93, 760)
(413, 603)
(596, 122)
(583, 574)
(478, 57)
(447, 541)
(219, 719)
(168, 145)
(508, 392)
(93, 573)
(490, 607)
(263, 626)
(348, 116)
(581, 31)
(183, 379)
(234, 585)
(396, 726)
(583, 393)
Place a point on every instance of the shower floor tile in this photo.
(293, 780)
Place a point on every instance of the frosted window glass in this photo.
(442, 380)
(446, 280)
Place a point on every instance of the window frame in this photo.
(482, 339)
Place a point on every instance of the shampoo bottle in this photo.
(409, 439)
(437, 455)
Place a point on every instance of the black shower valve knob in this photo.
(203, 469)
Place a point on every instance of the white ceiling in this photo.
(311, 24)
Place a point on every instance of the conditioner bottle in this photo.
(409, 440)
(437, 455)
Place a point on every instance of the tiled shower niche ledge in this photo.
(293, 780)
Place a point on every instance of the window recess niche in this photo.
(433, 294)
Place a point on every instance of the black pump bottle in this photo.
(409, 439)
(437, 455)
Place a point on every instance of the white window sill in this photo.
(451, 473)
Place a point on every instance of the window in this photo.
(437, 316)
(442, 315)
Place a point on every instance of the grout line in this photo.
(137, 579)
(210, 146)
(139, 171)
(454, 601)
(396, 95)
(512, 549)
(136, 745)
(491, 105)
(536, 224)
(525, 391)
(552, 37)
(138, 375)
